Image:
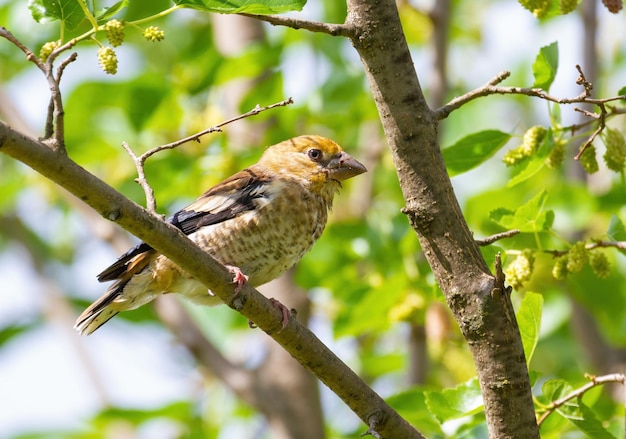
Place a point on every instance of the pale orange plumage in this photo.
(261, 220)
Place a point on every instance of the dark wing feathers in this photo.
(220, 203)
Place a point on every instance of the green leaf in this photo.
(472, 150)
(617, 231)
(529, 321)
(529, 217)
(107, 13)
(622, 92)
(463, 400)
(411, 405)
(528, 168)
(545, 66)
(576, 412)
(68, 11)
(238, 6)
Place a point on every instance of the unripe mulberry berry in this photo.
(615, 154)
(107, 60)
(613, 6)
(47, 49)
(567, 6)
(154, 34)
(520, 270)
(588, 160)
(577, 257)
(115, 32)
(559, 270)
(555, 159)
(600, 264)
(533, 137)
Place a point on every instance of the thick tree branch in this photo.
(485, 317)
(301, 343)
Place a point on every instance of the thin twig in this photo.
(216, 128)
(141, 179)
(601, 124)
(298, 23)
(493, 238)
(621, 245)
(490, 88)
(140, 161)
(594, 381)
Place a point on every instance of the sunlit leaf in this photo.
(529, 217)
(239, 6)
(529, 321)
(68, 11)
(472, 150)
(545, 66)
(463, 400)
(108, 13)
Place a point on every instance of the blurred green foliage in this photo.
(368, 260)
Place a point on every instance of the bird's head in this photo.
(316, 160)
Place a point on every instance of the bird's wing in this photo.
(228, 199)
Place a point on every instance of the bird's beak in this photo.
(345, 166)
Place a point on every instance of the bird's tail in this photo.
(114, 300)
(99, 312)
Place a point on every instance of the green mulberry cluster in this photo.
(47, 49)
(520, 270)
(567, 6)
(115, 32)
(588, 160)
(615, 154)
(555, 159)
(153, 34)
(107, 60)
(559, 270)
(577, 257)
(538, 7)
(600, 264)
(530, 143)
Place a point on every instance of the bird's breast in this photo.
(270, 239)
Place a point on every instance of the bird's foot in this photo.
(239, 279)
(287, 314)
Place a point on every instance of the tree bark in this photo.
(481, 307)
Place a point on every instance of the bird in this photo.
(259, 223)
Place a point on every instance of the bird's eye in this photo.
(315, 154)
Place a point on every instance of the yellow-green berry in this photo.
(559, 270)
(530, 143)
(555, 159)
(567, 6)
(47, 49)
(538, 7)
(615, 154)
(577, 257)
(520, 270)
(115, 32)
(154, 34)
(107, 60)
(588, 160)
(600, 264)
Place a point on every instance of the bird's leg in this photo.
(286, 312)
(238, 278)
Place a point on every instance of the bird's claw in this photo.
(239, 279)
(286, 312)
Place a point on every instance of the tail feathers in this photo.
(99, 312)
(114, 299)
